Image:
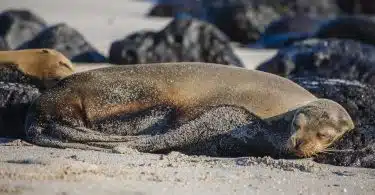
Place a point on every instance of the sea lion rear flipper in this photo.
(62, 136)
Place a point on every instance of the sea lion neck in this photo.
(281, 122)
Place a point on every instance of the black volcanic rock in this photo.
(355, 7)
(242, 21)
(183, 39)
(18, 26)
(3, 45)
(331, 58)
(322, 8)
(68, 41)
(359, 28)
(170, 8)
(288, 30)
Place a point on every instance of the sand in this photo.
(39, 170)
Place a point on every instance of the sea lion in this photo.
(73, 110)
(47, 65)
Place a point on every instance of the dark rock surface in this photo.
(68, 41)
(3, 45)
(184, 39)
(171, 8)
(313, 8)
(293, 24)
(15, 98)
(357, 6)
(357, 148)
(367, 6)
(10, 74)
(242, 21)
(287, 30)
(18, 26)
(331, 58)
(163, 10)
(359, 28)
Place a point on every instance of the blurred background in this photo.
(237, 32)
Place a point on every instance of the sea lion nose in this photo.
(298, 144)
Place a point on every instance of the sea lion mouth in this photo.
(295, 148)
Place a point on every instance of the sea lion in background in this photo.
(70, 114)
(47, 65)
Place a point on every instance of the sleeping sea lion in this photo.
(47, 65)
(68, 114)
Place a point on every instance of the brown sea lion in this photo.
(78, 102)
(44, 64)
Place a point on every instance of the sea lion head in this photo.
(56, 64)
(316, 126)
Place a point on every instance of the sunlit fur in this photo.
(41, 63)
(316, 126)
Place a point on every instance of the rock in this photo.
(3, 45)
(15, 98)
(170, 8)
(348, 6)
(356, 6)
(293, 24)
(356, 148)
(11, 74)
(183, 39)
(331, 58)
(163, 10)
(242, 21)
(68, 41)
(357, 28)
(18, 26)
(367, 6)
(321, 8)
(287, 30)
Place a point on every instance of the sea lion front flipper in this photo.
(214, 123)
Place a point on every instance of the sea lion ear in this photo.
(346, 122)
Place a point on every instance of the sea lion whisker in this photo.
(336, 150)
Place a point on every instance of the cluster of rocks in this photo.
(22, 29)
(184, 39)
(278, 23)
(328, 58)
